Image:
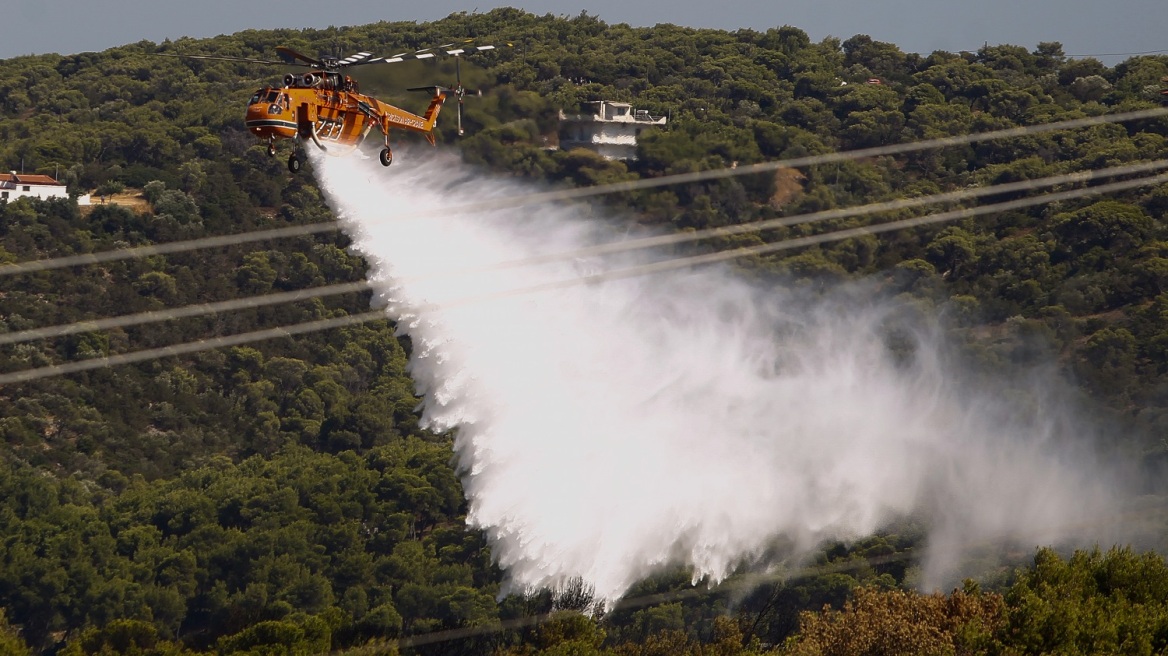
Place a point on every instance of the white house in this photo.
(16, 185)
(609, 128)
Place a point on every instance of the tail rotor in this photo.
(461, 91)
(457, 90)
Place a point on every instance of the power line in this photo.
(189, 347)
(585, 192)
(345, 288)
(826, 215)
(748, 582)
(738, 584)
(182, 312)
(799, 242)
(1122, 54)
(135, 252)
(656, 267)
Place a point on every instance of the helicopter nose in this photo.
(255, 116)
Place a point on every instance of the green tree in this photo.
(10, 641)
(1095, 602)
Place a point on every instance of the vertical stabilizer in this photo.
(432, 111)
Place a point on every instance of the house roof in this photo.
(17, 178)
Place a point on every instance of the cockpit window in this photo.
(272, 95)
(257, 97)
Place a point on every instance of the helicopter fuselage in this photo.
(328, 109)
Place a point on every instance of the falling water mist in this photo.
(606, 430)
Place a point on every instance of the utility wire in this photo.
(182, 312)
(743, 583)
(648, 242)
(826, 215)
(584, 192)
(799, 242)
(736, 584)
(190, 347)
(527, 621)
(136, 252)
(1120, 54)
(656, 267)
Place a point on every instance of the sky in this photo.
(1084, 27)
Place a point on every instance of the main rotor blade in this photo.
(290, 56)
(353, 60)
(424, 50)
(430, 53)
(235, 59)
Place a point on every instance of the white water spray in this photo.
(610, 429)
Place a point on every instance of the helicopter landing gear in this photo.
(271, 147)
(386, 156)
(294, 163)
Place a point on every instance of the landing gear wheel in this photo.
(386, 157)
(294, 163)
(271, 150)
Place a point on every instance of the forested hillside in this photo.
(282, 498)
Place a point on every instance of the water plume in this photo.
(607, 430)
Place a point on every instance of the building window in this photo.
(3, 195)
(27, 188)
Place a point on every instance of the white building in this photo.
(15, 185)
(609, 128)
